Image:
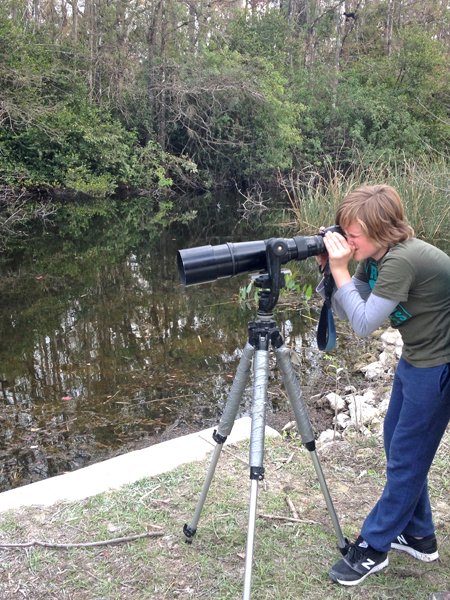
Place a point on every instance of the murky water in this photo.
(101, 347)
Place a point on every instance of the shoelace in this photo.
(354, 554)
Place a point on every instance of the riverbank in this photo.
(122, 470)
(128, 544)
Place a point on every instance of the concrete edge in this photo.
(121, 470)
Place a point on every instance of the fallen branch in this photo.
(120, 540)
(290, 519)
(291, 507)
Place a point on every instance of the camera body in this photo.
(208, 263)
(332, 228)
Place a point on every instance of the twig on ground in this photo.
(290, 519)
(291, 507)
(120, 540)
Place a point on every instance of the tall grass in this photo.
(424, 187)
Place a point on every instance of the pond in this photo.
(103, 351)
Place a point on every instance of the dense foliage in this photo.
(98, 96)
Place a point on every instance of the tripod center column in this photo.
(260, 384)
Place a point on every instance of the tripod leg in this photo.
(260, 384)
(305, 429)
(223, 430)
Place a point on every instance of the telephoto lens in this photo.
(204, 264)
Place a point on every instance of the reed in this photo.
(423, 185)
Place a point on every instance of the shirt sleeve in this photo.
(362, 287)
(395, 278)
(365, 316)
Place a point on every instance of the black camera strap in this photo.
(326, 331)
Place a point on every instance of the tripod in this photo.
(263, 334)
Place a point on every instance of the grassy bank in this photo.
(294, 548)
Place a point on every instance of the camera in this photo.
(204, 264)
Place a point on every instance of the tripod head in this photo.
(272, 282)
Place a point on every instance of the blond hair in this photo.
(379, 211)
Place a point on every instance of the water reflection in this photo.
(101, 347)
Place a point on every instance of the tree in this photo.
(241, 88)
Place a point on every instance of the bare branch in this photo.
(119, 540)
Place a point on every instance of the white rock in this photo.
(385, 357)
(360, 412)
(342, 419)
(290, 426)
(335, 401)
(370, 397)
(327, 436)
(373, 370)
(391, 337)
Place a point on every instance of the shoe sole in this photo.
(357, 581)
(424, 557)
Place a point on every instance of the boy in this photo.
(407, 280)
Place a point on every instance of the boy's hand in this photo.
(339, 255)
